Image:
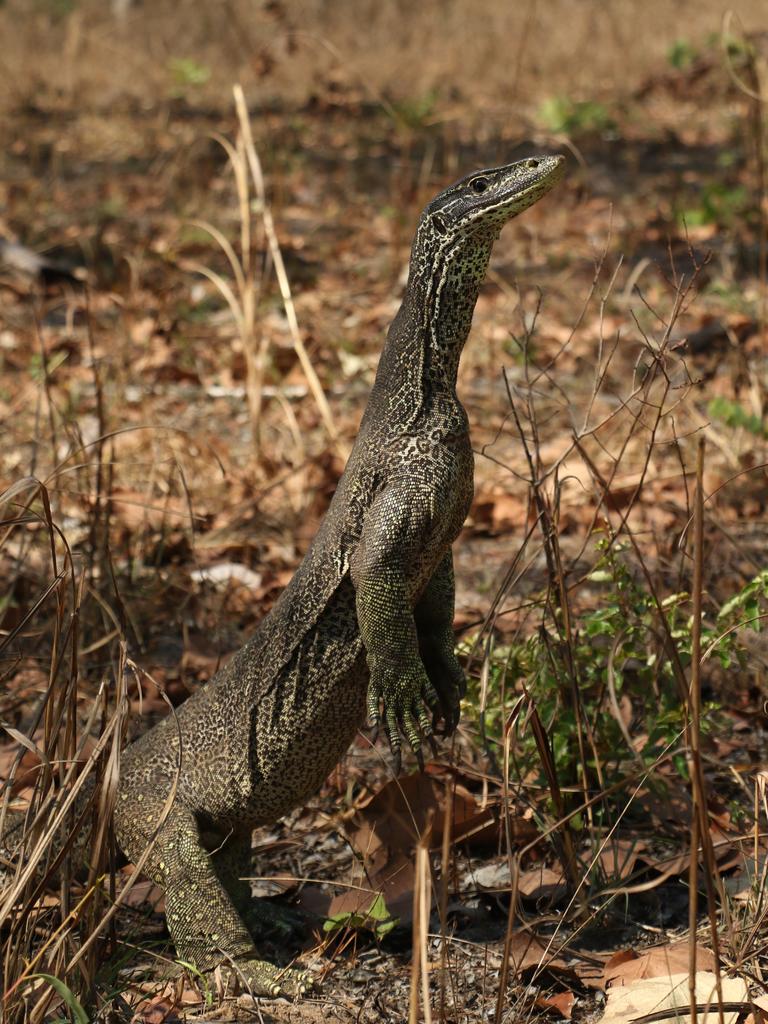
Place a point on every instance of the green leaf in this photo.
(600, 576)
(66, 993)
(188, 72)
(681, 765)
(376, 918)
(562, 114)
(733, 414)
(681, 54)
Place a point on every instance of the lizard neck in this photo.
(453, 288)
(420, 361)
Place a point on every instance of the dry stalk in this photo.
(514, 864)
(753, 85)
(445, 863)
(422, 899)
(68, 797)
(700, 833)
(243, 299)
(639, 419)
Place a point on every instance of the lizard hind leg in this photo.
(203, 920)
(266, 921)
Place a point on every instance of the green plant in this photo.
(747, 608)
(574, 117)
(733, 414)
(66, 994)
(202, 980)
(718, 204)
(56, 10)
(681, 54)
(414, 112)
(376, 918)
(625, 666)
(38, 373)
(187, 72)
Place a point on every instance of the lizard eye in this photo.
(479, 185)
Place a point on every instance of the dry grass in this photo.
(243, 298)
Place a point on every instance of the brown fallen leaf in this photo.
(659, 961)
(137, 510)
(618, 858)
(541, 882)
(499, 512)
(760, 1004)
(403, 808)
(527, 951)
(652, 994)
(563, 1002)
(162, 1005)
(28, 768)
(395, 887)
(144, 892)
(385, 829)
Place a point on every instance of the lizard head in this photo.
(482, 203)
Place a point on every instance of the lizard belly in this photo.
(302, 727)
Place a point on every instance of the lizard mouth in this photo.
(524, 184)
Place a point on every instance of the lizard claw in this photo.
(260, 978)
(407, 696)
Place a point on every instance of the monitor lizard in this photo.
(366, 623)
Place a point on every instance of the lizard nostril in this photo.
(533, 164)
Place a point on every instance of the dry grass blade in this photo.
(513, 860)
(282, 278)
(604, 436)
(755, 89)
(243, 298)
(445, 853)
(422, 899)
(53, 835)
(700, 832)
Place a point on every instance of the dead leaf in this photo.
(541, 882)
(650, 994)
(386, 828)
(618, 858)
(144, 892)
(527, 950)
(29, 765)
(562, 1002)
(137, 510)
(658, 961)
(403, 808)
(672, 803)
(162, 1006)
(499, 513)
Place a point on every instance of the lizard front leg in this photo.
(434, 624)
(383, 570)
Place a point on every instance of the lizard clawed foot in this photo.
(261, 978)
(407, 697)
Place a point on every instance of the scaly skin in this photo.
(366, 622)
(368, 613)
